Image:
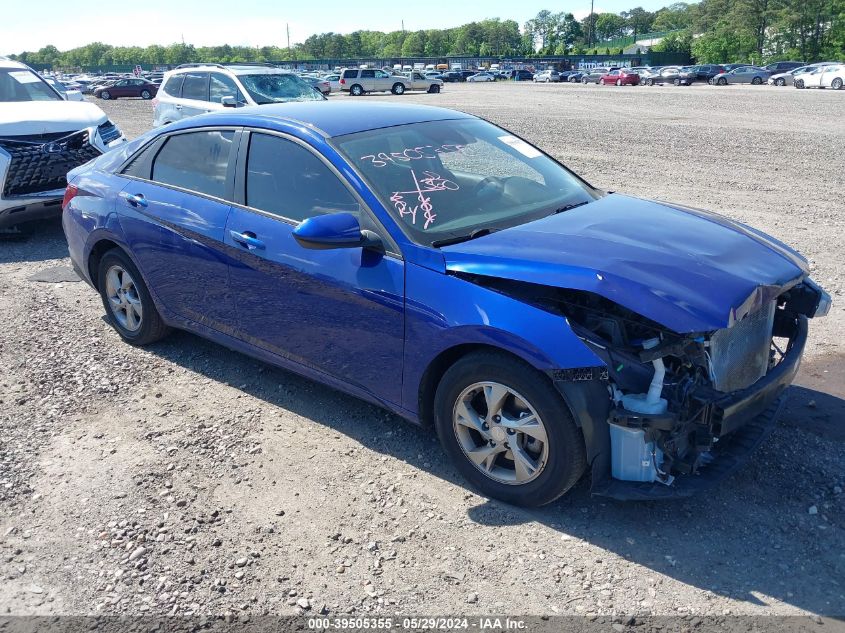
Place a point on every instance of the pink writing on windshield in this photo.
(412, 153)
(429, 183)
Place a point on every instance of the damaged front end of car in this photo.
(668, 414)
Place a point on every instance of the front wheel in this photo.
(836, 84)
(127, 301)
(105, 95)
(722, 81)
(649, 82)
(507, 429)
(145, 94)
(799, 83)
(601, 81)
(780, 82)
(618, 82)
(434, 89)
(584, 81)
(398, 88)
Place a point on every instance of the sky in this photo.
(68, 24)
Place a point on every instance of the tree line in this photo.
(711, 31)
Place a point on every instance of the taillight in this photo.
(70, 193)
(342, 81)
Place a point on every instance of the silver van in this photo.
(192, 89)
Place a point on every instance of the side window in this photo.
(139, 166)
(198, 161)
(350, 74)
(285, 179)
(195, 86)
(220, 86)
(173, 85)
(368, 74)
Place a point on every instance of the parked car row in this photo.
(819, 75)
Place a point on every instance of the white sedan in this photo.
(481, 77)
(822, 77)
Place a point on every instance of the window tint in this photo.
(220, 86)
(139, 166)
(368, 74)
(195, 86)
(287, 180)
(349, 74)
(197, 161)
(173, 85)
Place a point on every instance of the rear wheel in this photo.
(356, 90)
(649, 82)
(836, 84)
(585, 81)
(722, 81)
(507, 429)
(756, 81)
(105, 95)
(618, 82)
(434, 89)
(398, 88)
(677, 82)
(145, 94)
(601, 81)
(780, 82)
(127, 301)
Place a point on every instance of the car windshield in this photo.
(278, 88)
(446, 181)
(24, 85)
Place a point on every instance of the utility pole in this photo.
(592, 21)
(287, 28)
(403, 26)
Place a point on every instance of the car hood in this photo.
(690, 270)
(19, 118)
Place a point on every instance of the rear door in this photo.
(338, 311)
(175, 208)
(367, 79)
(194, 99)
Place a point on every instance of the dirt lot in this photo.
(185, 478)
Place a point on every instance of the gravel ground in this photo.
(185, 478)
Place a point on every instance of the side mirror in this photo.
(229, 102)
(335, 230)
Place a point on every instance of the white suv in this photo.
(193, 89)
(42, 137)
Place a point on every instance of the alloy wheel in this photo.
(500, 433)
(123, 298)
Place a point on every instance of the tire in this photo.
(585, 81)
(756, 81)
(145, 94)
(780, 82)
(618, 82)
(677, 82)
(148, 326)
(836, 84)
(601, 81)
(555, 465)
(105, 95)
(434, 89)
(722, 82)
(799, 83)
(356, 90)
(649, 82)
(398, 88)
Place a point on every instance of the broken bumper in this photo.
(744, 419)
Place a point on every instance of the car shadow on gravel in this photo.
(36, 241)
(742, 541)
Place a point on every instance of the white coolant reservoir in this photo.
(650, 402)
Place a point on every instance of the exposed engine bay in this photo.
(666, 399)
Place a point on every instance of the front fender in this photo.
(444, 311)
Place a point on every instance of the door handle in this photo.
(248, 239)
(178, 107)
(136, 199)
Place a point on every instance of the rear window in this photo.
(195, 86)
(173, 85)
(197, 161)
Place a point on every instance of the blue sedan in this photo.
(441, 267)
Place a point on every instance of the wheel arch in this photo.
(95, 255)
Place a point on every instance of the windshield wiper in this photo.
(568, 207)
(463, 238)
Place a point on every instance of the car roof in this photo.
(10, 63)
(245, 69)
(328, 118)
